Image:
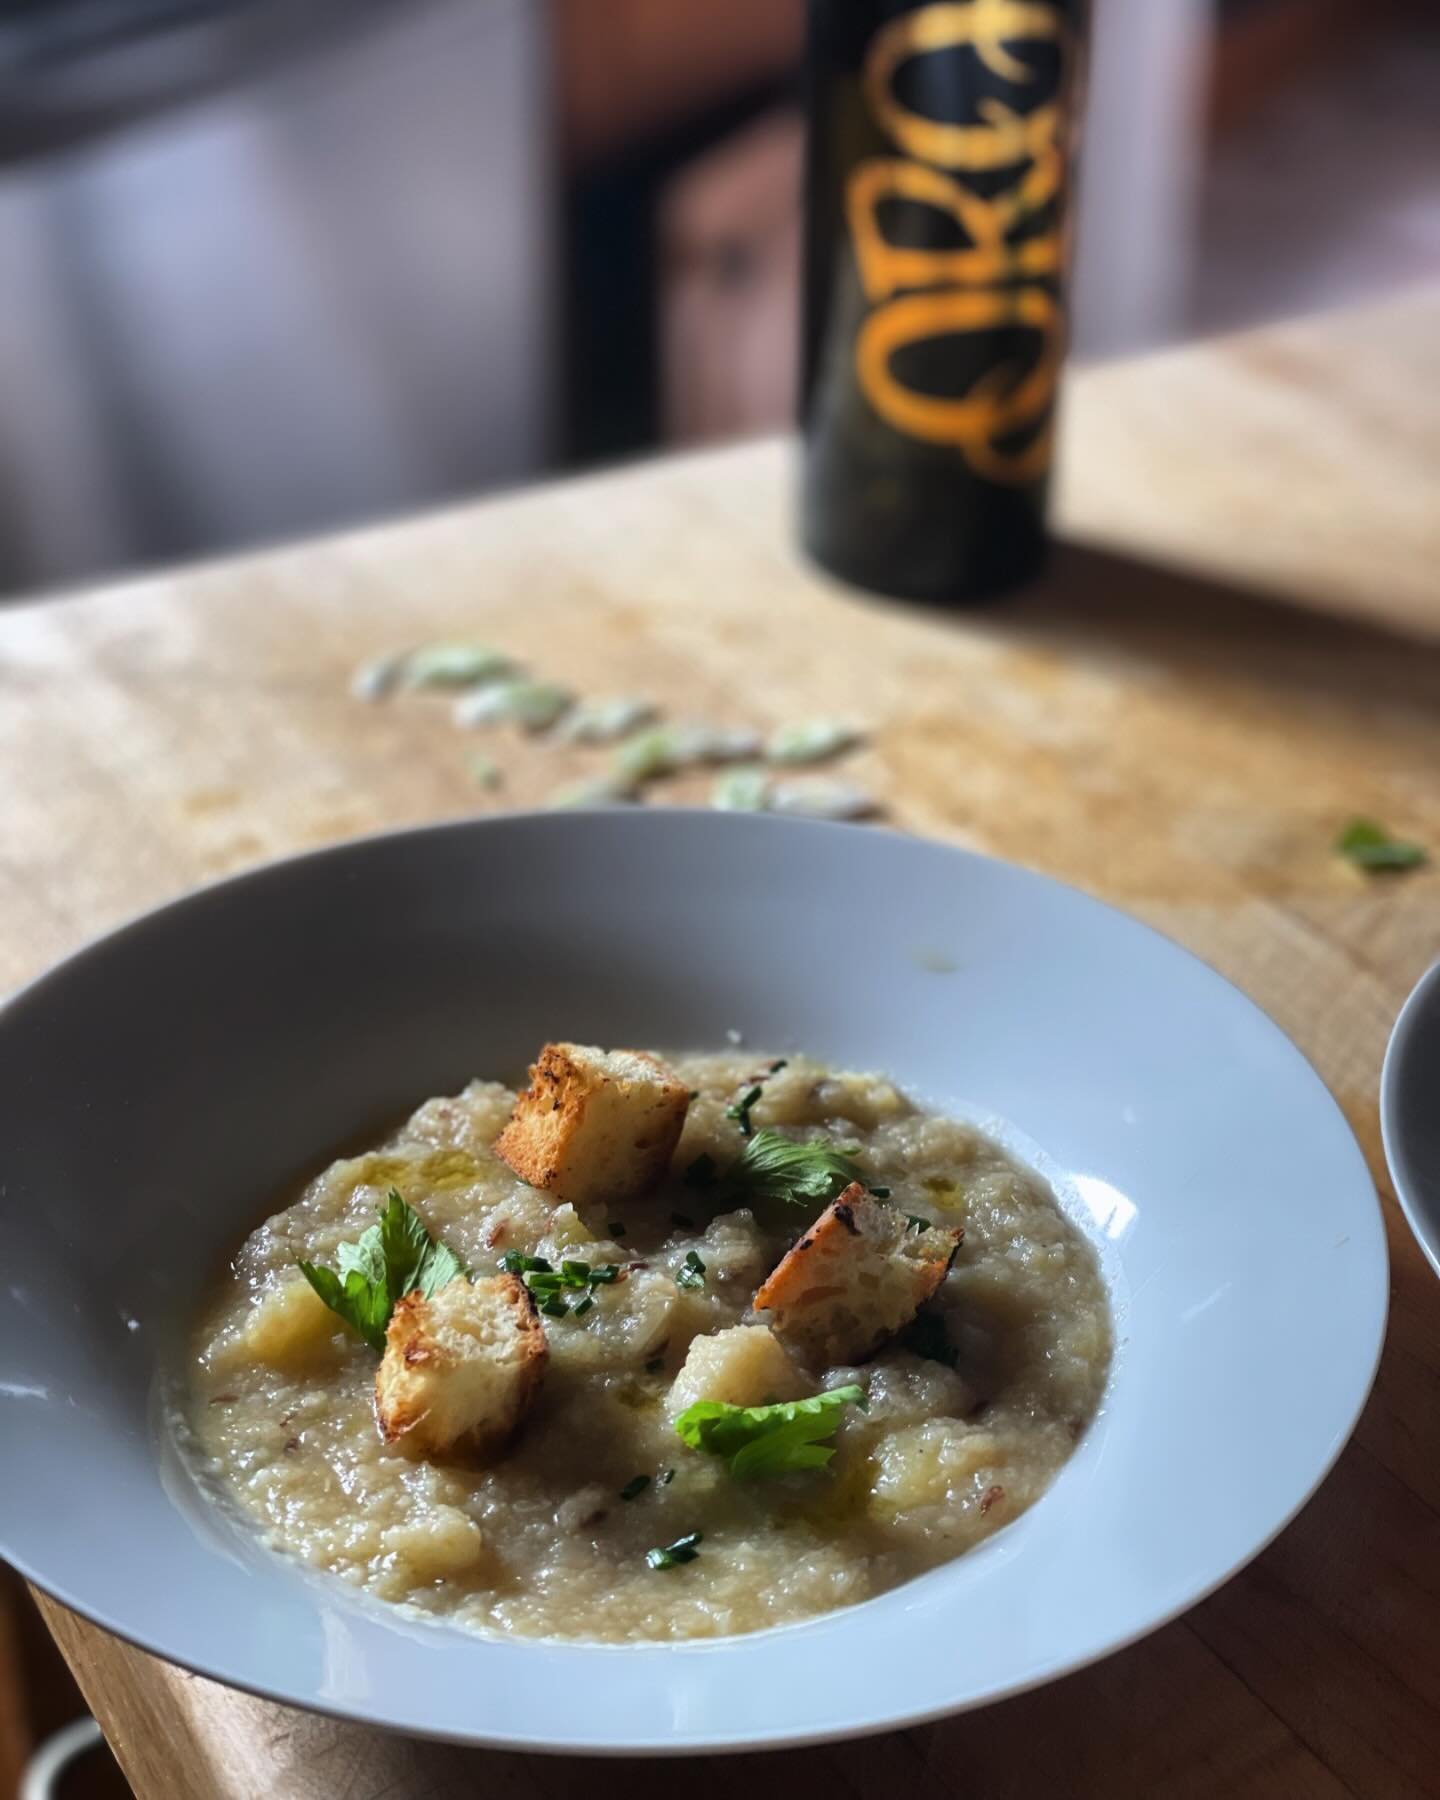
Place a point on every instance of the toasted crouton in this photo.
(594, 1125)
(460, 1368)
(853, 1280)
(744, 1366)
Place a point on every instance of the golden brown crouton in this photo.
(743, 1366)
(460, 1368)
(858, 1274)
(594, 1125)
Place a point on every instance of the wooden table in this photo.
(1185, 743)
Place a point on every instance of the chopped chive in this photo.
(701, 1174)
(665, 1477)
(570, 1275)
(692, 1275)
(617, 1230)
(916, 1223)
(515, 1262)
(637, 1484)
(683, 1550)
(881, 1193)
(740, 1111)
(546, 1284)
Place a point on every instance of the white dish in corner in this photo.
(1410, 1112)
(158, 1090)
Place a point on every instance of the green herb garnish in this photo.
(740, 1111)
(637, 1484)
(390, 1260)
(915, 1222)
(515, 1262)
(692, 1275)
(881, 1193)
(926, 1336)
(683, 1550)
(768, 1440)
(549, 1286)
(545, 1283)
(773, 1167)
(1370, 847)
(664, 1478)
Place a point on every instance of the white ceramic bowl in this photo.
(161, 1088)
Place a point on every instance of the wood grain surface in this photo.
(1235, 654)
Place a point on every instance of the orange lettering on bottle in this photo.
(885, 268)
(1004, 402)
(986, 26)
(995, 277)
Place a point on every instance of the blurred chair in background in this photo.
(1322, 182)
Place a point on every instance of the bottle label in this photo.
(992, 181)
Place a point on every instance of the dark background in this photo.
(271, 266)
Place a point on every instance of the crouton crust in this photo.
(461, 1368)
(593, 1125)
(853, 1280)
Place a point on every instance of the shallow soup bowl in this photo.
(1410, 1112)
(160, 1090)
